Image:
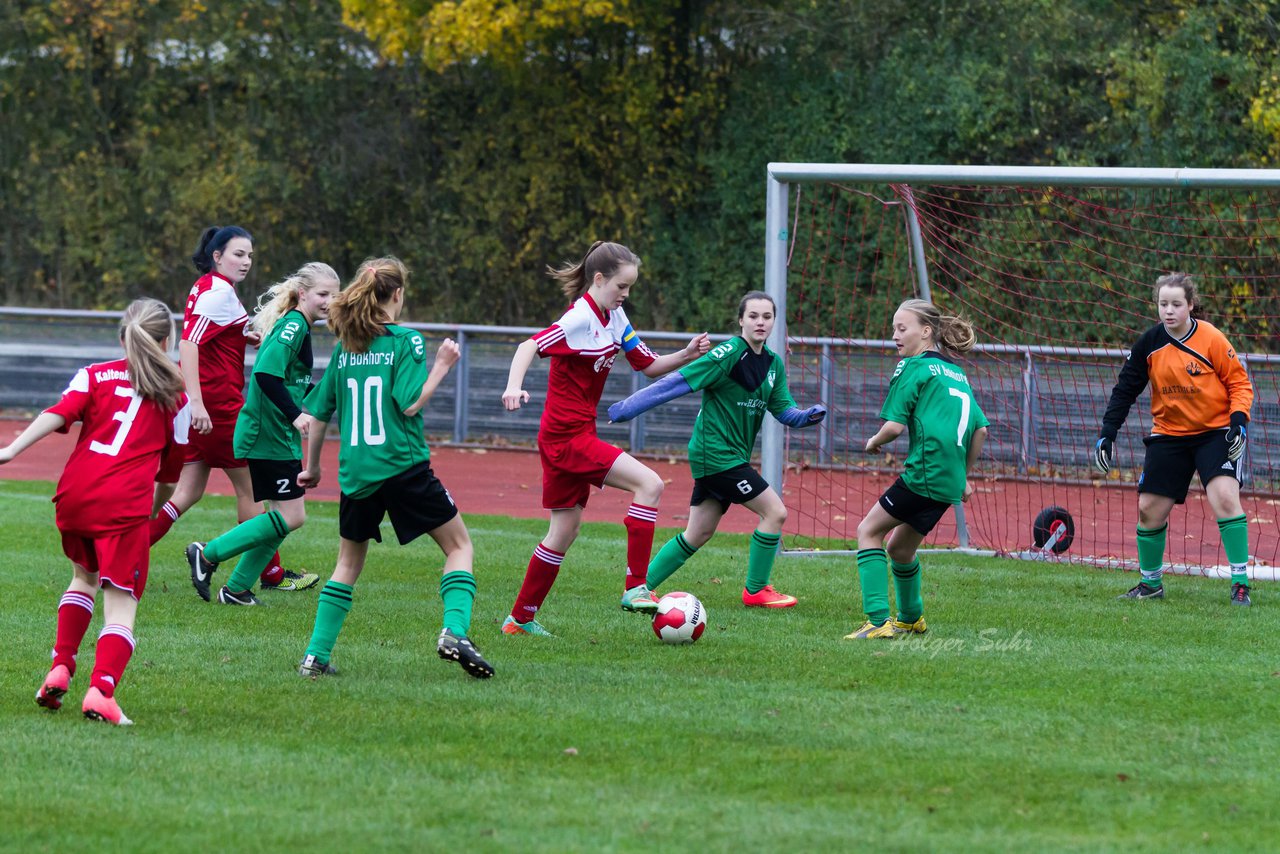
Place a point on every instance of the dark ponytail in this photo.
(215, 239)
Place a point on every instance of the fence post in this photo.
(461, 383)
(826, 391)
(1027, 448)
(637, 423)
(1244, 460)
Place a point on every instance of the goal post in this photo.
(1017, 250)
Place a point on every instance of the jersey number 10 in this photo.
(366, 420)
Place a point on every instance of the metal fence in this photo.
(1044, 404)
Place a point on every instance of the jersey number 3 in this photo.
(964, 415)
(366, 420)
(125, 417)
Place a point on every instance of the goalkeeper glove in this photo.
(793, 417)
(1102, 453)
(1237, 436)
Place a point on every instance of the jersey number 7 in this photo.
(964, 415)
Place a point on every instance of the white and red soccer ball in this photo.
(680, 618)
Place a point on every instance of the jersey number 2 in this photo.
(366, 420)
(125, 417)
(964, 415)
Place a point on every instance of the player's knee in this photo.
(460, 550)
(651, 489)
(899, 554)
(776, 516)
(294, 517)
(697, 537)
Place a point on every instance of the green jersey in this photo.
(370, 391)
(931, 395)
(263, 431)
(737, 386)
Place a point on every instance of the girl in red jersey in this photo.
(215, 332)
(134, 428)
(582, 345)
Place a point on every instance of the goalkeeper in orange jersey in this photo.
(1200, 400)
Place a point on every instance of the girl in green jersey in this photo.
(268, 436)
(376, 385)
(739, 380)
(929, 396)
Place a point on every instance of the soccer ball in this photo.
(680, 618)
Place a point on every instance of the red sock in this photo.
(164, 520)
(115, 646)
(640, 523)
(274, 573)
(75, 611)
(544, 566)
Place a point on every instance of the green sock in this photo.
(906, 584)
(251, 565)
(1235, 542)
(458, 592)
(1151, 553)
(873, 573)
(764, 548)
(252, 532)
(331, 611)
(668, 559)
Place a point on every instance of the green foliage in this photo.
(483, 139)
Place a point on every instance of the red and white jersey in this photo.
(125, 441)
(214, 320)
(583, 344)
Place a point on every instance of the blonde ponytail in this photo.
(952, 332)
(145, 325)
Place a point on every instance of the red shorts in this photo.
(570, 469)
(122, 559)
(215, 448)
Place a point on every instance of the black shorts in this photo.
(1172, 460)
(415, 500)
(915, 510)
(734, 486)
(275, 480)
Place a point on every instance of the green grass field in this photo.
(1039, 713)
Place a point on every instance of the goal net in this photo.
(1057, 279)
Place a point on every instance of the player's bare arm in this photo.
(446, 357)
(698, 345)
(189, 364)
(520, 362)
(309, 477)
(889, 431)
(44, 424)
(975, 449)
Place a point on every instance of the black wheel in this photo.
(1049, 521)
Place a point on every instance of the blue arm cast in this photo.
(670, 387)
(794, 417)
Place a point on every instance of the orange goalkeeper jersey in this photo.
(1196, 382)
